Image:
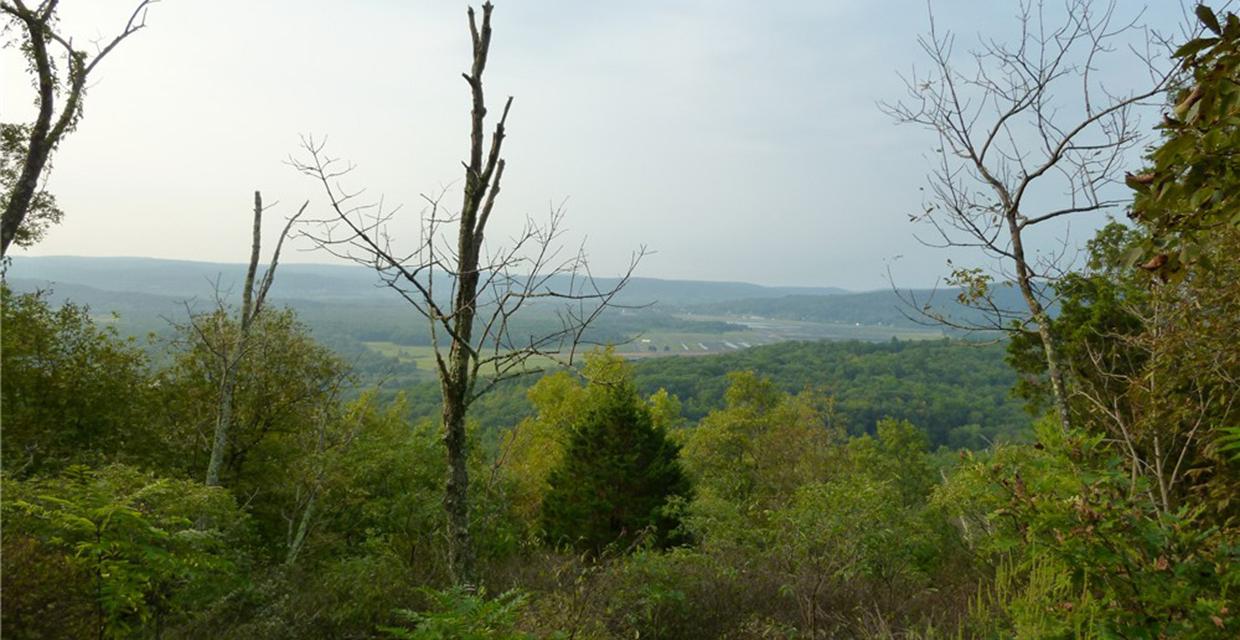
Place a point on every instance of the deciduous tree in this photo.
(73, 391)
(1191, 189)
(61, 70)
(228, 348)
(1013, 155)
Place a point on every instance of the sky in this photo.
(735, 140)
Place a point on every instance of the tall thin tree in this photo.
(229, 350)
(475, 344)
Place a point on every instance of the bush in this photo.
(145, 552)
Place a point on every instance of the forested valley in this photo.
(456, 443)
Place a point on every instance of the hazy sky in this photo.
(737, 140)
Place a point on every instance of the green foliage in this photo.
(1229, 443)
(839, 530)
(536, 445)
(386, 485)
(1088, 555)
(958, 392)
(1152, 365)
(1099, 314)
(147, 551)
(338, 597)
(284, 380)
(897, 455)
(1192, 188)
(72, 391)
(789, 506)
(619, 479)
(750, 457)
(678, 593)
(457, 614)
(1127, 528)
(43, 211)
(797, 529)
(286, 419)
(940, 386)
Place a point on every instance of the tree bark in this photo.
(40, 147)
(232, 359)
(1042, 319)
(456, 385)
(482, 174)
(461, 558)
(299, 539)
(223, 420)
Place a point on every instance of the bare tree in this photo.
(61, 71)
(229, 349)
(471, 323)
(1012, 155)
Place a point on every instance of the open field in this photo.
(761, 331)
(667, 343)
(423, 356)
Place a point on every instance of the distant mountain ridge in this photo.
(146, 288)
(333, 283)
(867, 308)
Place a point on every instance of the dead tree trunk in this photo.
(481, 187)
(231, 355)
(488, 289)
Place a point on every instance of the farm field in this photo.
(760, 331)
(423, 356)
(660, 343)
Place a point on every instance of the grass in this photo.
(421, 356)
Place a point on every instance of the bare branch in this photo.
(1002, 133)
(489, 288)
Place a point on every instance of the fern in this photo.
(1229, 443)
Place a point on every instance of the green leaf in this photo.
(1191, 47)
(1207, 17)
(1230, 441)
(1200, 196)
(1193, 112)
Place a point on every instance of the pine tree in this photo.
(619, 478)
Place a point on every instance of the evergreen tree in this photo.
(619, 478)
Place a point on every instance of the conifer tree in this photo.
(619, 478)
